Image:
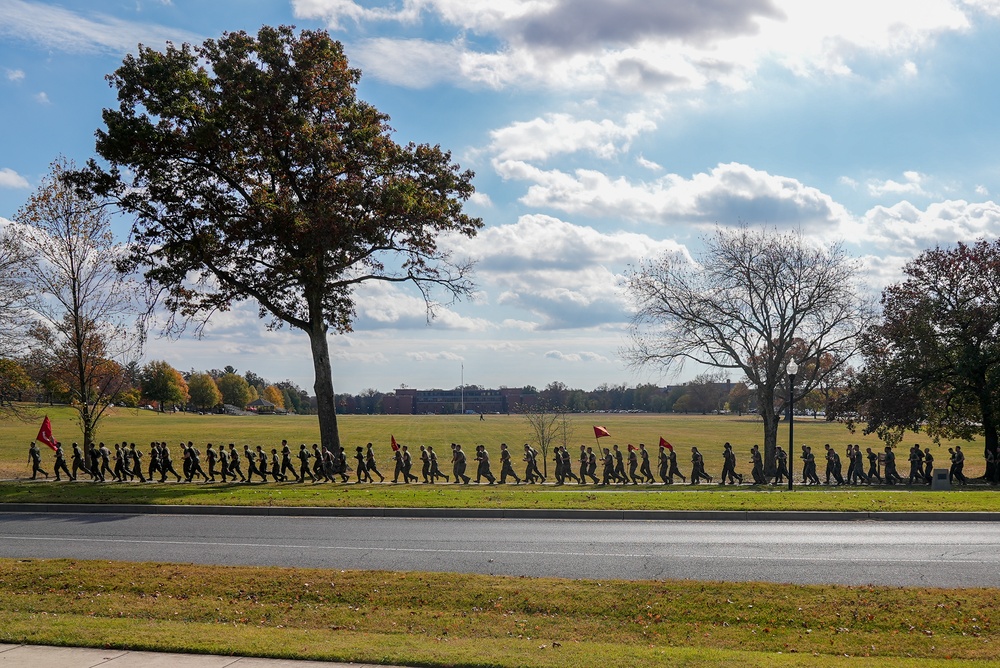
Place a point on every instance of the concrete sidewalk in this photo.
(41, 656)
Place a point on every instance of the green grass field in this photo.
(706, 432)
(429, 619)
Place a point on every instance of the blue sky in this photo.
(601, 132)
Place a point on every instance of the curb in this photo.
(505, 513)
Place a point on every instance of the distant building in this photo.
(261, 406)
(448, 402)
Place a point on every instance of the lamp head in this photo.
(792, 368)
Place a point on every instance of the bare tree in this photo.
(84, 329)
(548, 424)
(753, 301)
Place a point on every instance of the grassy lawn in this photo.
(444, 620)
(706, 432)
(678, 497)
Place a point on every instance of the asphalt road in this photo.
(945, 554)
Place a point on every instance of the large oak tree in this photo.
(933, 362)
(254, 172)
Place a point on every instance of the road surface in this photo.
(945, 554)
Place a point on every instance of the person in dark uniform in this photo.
(186, 463)
(224, 464)
(633, 465)
(531, 472)
(262, 468)
(891, 476)
(252, 469)
(319, 475)
(398, 469)
(584, 463)
(728, 465)
(757, 466)
(234, 464)
(644, 470)
(276, 473)
(960, 465)
(329, 464)
(483, 468)
(362, 470)
(286, 462)
(592, 465)
(916, 459)
(609, 468)
(435, 471)
(811, 473)
(460, 465)
(780, 465)
(619, 466)
(674, 469)
(35, 459)
(928, 466)
(505, 466)
(94, 462)
(663, 465)
(105, 455)
(838, 467)
(154, 466)
(212, 458)
(425, 465)
(557, 461)
(408, 465)
(567, 463)
(195, 456)
(136, 455)
(120, 472)
(371, 464)
(304, 469)
(60, 464)
(873, 471)
(78, 463)
(698, 467)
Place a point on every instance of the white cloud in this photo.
(566, 276)
(630, 44)
(481, 199)
(11, 179)
(982, 190)
(434, 357)
(15, 75)
(383, 306)
(62, 29)
(726, 195)
(555, 134)
(912, 184)
(906, 227)
(42, 98)
(649, 164)
(576, 357)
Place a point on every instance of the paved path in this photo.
(945, 554)
(37, 656)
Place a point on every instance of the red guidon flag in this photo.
(395, 446)
(664, 444)
(45, 433)
(631, 447)
(600, 431)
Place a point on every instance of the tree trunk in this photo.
(326, 405)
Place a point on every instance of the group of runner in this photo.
(124, 462)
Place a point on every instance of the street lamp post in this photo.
(792, 369)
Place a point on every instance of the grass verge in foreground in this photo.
(677, 497)
(473, 620)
